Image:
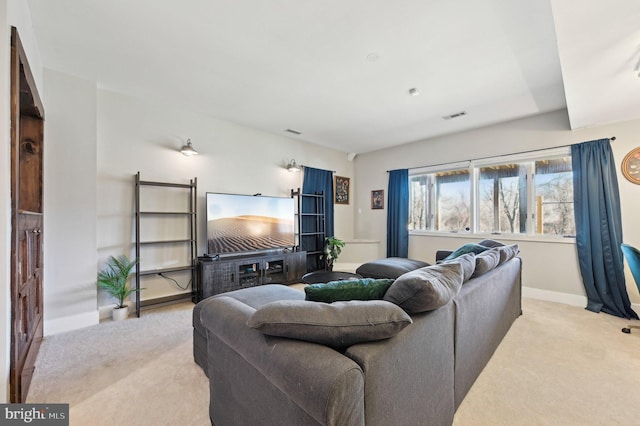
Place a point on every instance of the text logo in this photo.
(34, 414)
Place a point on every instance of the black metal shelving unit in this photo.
(311, 232)
(190, 240)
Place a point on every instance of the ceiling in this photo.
(339, 71)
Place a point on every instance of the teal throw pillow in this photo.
(467, 248)
(334, 291)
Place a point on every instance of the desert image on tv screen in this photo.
(239, 223)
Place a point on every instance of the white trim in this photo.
(555, 296)
(540, 238)
(542, 154)
(69, 323)
(460, 165)
(105, 311)
(566, 298)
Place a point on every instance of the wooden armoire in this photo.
(27, 128)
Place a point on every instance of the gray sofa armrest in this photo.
(323, 383)
(441, 254)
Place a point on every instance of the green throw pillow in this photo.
(334, 291)
(467, 248)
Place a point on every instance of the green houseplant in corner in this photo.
(332, 249)
(113, 278)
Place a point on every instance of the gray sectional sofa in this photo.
(417, 377)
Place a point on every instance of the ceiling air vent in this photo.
(295, 132)
(456, 115)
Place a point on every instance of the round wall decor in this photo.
(631, 166)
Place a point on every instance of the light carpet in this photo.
(558, 365)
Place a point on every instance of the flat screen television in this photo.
(246, 223)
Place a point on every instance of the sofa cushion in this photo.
(491, 243)
(339, 324)
(468, 262)
(467, 248)
(486, 261)
(391, 267)
(334, 291)
(507, 253)
(426, 289)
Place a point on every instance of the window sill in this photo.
(498, 237)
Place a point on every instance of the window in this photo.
(554, 197)
(522, 196)
(440, 201)
(502, 199)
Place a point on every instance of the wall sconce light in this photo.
(188, 149)
(293, 167)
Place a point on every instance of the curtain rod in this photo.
(613, 138)
(302, 166)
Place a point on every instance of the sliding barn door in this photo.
(27, 122)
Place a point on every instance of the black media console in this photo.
(221, 274)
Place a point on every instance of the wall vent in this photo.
(456, 115)
(295, 132)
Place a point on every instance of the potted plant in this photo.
(113, 278)
(332, 249)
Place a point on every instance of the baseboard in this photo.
(105, 311)
(555, 296)
(71, 322)
(566, 298)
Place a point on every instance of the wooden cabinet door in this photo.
(27, 302)
(27, 128)
(296, 266)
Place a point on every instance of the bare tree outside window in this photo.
(451, 201)
(501, 198)
(453, 211)
(418, 212)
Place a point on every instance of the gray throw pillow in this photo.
(339, 324)
(486, 261)
(507, 253)
(427, 288)
(491, 243)
(468, 262)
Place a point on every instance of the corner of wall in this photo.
(5, 217)
(12, 13)
(70, 323)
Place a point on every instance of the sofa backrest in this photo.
(409, 378)
(485, 308)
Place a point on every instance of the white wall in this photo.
(134, 135)
(69, 203)
(5, 207)
(548, 267)
(12, 13)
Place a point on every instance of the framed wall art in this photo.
(341, 190)
(631, 166)
(377, 199)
